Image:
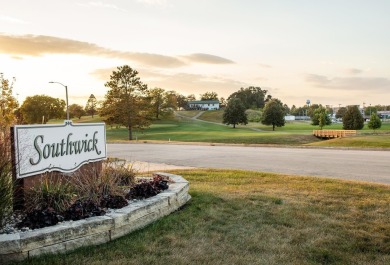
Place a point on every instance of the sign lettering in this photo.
(41, 148)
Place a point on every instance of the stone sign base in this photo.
(67, 236)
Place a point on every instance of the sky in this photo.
(333, 52)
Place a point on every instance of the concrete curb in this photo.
(96, 230)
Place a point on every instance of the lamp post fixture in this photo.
(66, 90)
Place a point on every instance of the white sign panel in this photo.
(64, 147)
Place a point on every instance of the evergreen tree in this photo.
(353, 119)
(91, 107)
(234, 113)
(273, 113)
(375, 122)
(340, 113)
(126, 101)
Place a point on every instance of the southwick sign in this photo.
(65, 147)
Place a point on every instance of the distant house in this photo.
(289, 118)
(203, 105)
(384, 114)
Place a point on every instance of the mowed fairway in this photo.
(197, 131)
(243, 217)
(188, 130)
(210, 129)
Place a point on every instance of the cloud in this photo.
(197, 84)
(154, 2)
(265, 65)
(12, 20)
(185, 83)
(369, 84)
(207, 58)
(100, 4)
(17, 57)
(103, 74)
(354, 71)
(38, 45)
(317, 79)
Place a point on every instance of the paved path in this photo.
(361, 165)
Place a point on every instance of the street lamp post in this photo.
(66, 91)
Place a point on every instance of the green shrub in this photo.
(253, 115)
(353, 119)
(375, 122)
(51, 192)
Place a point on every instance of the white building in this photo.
(384, 114)
(289, 118)
(203, 104)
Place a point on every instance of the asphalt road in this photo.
(361, 165)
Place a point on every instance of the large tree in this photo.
(311, 109)
(8, 105)
(162, 102)
(251, 97)
(234, 113)
(126, 101)
(370, 110)
(41, 108)
(91, 106)
(340, 112)
(299, 111)
(321, 117)
(182, 101)
(222, 102)
(353, 119)
(273, 113)
(209, 96)
(76, 110)
(191, 97)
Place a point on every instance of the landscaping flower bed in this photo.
(85, 194)
(68, 235)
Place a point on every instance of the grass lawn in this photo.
(189, 113)
(188, 130)
(243, 217)
(293, 133)
(212, 115)
(83, 119)
(184, 129)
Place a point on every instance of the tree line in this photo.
(123, 84)
(129, 102)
